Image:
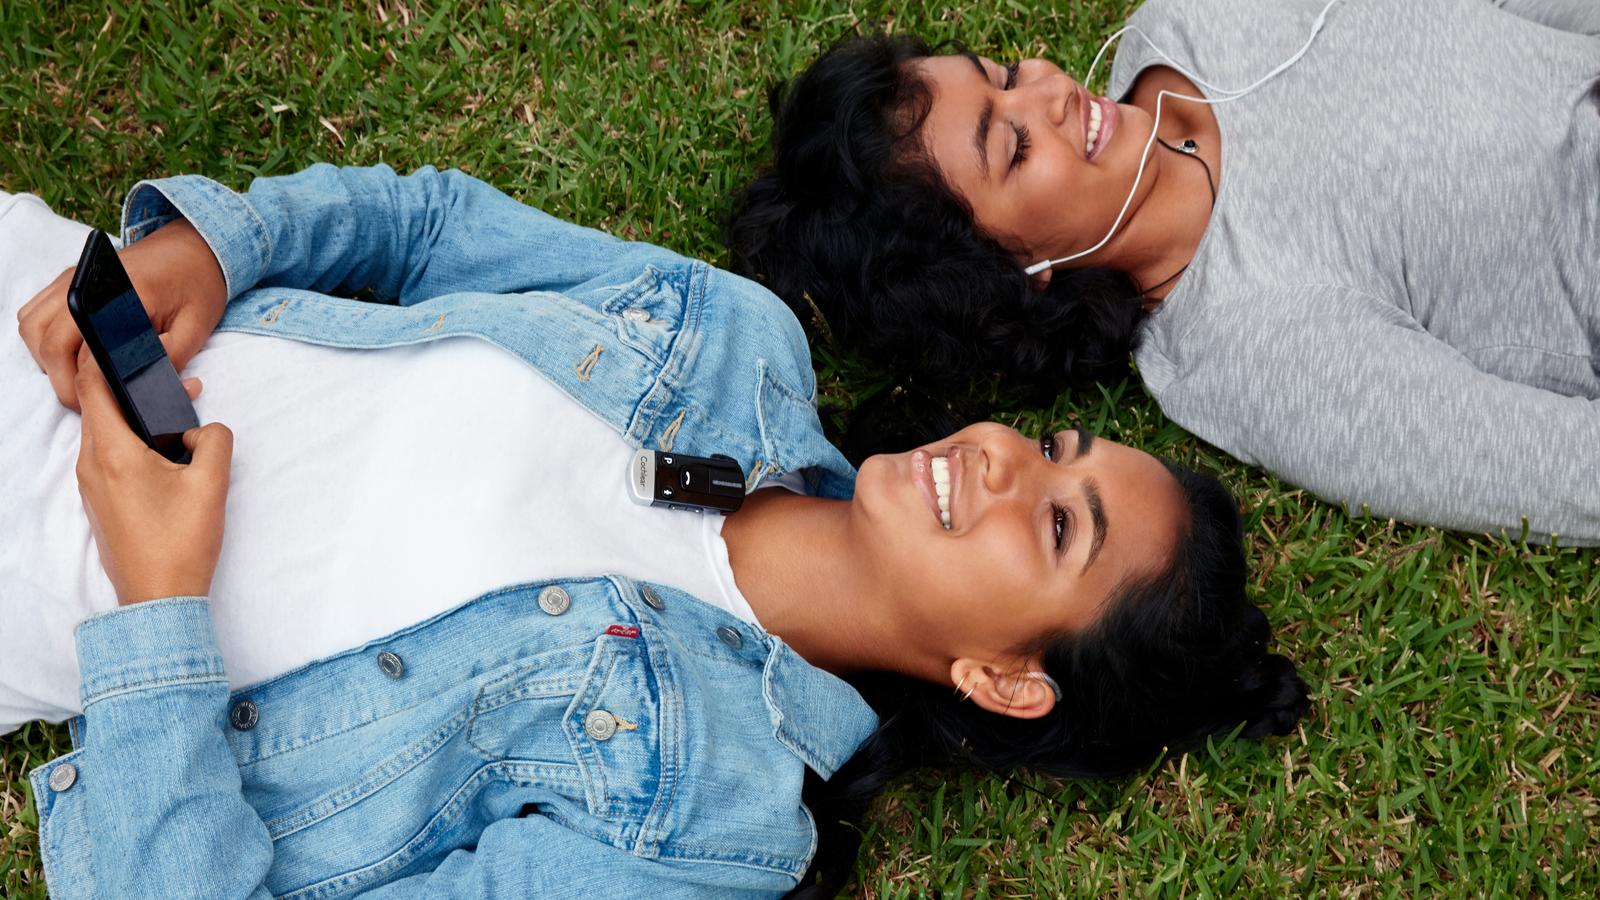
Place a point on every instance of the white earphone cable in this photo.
(1144, 158)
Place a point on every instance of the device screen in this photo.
(154, 400)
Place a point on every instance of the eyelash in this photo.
(1021, 155)
(1047, 446)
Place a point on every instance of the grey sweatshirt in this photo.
(1396, 303)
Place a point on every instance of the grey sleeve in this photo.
(1351, 400)
(1580, 16)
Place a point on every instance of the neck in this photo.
(1162, 236)
(795, 561)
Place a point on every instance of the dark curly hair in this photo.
(852, 221)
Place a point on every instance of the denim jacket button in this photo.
(635, 314)
(63, 777)
(653, 599)
(600, 725)
(391, 664)
(243, 716)
(554, 600)
(730, 636)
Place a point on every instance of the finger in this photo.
(58, 354)
(211, 446)
(193, 387)
(42, 299)
(102, 417)
(183, 339)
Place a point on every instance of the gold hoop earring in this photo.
(962, 682)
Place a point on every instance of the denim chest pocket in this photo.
(602, 726)
(648, 311)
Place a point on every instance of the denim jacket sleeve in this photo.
(163, 788)
(159, 778)
(402, 238)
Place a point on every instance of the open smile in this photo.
(936, 478)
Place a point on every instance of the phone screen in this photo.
(124, 342)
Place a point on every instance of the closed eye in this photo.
(1021, 155)
(1060, 518)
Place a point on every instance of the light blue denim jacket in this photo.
(591, 737)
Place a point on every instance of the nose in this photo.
(1005, 457)
(1047, 88)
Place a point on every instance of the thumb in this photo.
(211, 446)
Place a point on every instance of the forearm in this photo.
(160, 781)
(1354, 404)
(345, 231)
(326, 229)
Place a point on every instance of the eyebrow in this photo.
(980, 138)
(1097, 514)
(1085, 440)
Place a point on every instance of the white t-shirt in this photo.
(371, 490)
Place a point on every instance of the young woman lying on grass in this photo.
(615, 714)
(1376, 274)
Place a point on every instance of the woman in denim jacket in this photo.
(1059, 603)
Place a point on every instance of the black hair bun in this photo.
(1275, 696)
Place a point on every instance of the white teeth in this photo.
(940, 467)
(1094, 129)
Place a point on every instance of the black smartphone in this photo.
(678, 481)
(125, 344)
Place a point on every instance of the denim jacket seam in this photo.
(390, 770)
(405, 854)
(671, 778)
(133, 687)
(294, 746)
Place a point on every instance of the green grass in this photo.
(1452, 746)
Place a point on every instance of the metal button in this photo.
(600, 725)
(243, 715)
(730, 636)
(63, 777)
(653, 599)
(391, 664)
(554, 600)
(634, 314)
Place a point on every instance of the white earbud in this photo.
(1228, 94)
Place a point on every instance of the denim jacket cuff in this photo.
(232, 228)
(147, 645)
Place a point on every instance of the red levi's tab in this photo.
(623, 631)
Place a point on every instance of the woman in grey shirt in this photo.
(1376, 273)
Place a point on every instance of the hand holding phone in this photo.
(157, 526)
(182, 288)
(123, 341)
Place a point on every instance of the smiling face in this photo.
(1041, 531)
(1045, 165)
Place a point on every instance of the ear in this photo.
(1041, 280)
(1011, 691)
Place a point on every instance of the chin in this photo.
(875, 485)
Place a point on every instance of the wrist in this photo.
(145, 592)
